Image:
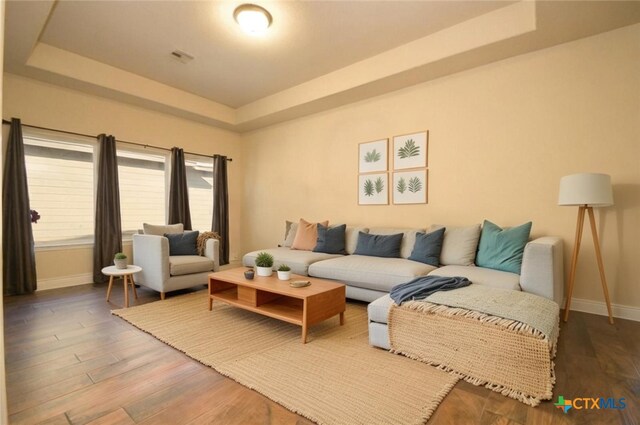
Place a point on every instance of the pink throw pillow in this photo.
(307, 235)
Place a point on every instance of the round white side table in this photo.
(127, 277)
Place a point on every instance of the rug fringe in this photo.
(517, 395)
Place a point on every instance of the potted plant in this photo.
(284, 272)
(264, 264)
(120, 260)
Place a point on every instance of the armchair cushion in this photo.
(161, 229)
(183, 243)
(188, 264)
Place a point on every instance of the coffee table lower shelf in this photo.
(282, 308)
(269, 297)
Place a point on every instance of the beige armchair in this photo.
(165, 273)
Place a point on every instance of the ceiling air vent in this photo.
(183, 57)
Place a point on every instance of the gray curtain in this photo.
(108, 228)
(18, 254)
(178, 191)
(220, 222)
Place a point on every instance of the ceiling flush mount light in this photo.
(252, 18)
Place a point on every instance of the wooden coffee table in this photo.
(275, 298)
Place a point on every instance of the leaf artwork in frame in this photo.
(401, 187)
(410, 187)
(410, 151)
(372, 189)
(415, 184)
(368, 188)
(373, 157)
(379, 185)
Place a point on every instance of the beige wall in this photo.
(501, 137)
(52, 106)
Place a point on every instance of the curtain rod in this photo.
(121, 141)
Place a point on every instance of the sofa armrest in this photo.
(212, 252)
(152, 254)
(542, 268)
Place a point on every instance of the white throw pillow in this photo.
(460, 245)
(351, 237)
(290, 233)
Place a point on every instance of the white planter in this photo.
(264, 271)
(284, 275)
(120, 263)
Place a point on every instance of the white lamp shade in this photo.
(591, 189)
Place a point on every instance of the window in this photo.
(142, 188)
(60, 179)
(200, 185)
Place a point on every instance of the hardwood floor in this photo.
(69, 361)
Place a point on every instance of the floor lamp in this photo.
(586, 190)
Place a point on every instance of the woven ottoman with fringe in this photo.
(502, 339)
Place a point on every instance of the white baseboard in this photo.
(600, 308)
(65, 281)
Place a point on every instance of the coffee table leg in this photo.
(342, 318)
(109, 288)
(126, 291)
(304, 334)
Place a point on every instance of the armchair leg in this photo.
(161, 295)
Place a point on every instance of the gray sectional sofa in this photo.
(368, 278)
(371, 278)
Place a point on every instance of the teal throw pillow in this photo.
(331, 239)
(379, 245)
(183, 243)
(502, 249)
(428, 247)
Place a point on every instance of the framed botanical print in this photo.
(372, 189)
(410, 187)
(410, 151)
(373, 157)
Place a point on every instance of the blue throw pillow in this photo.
(331, 239)
(379, 245)
(183, 243)
(502, 249)
(428, 247)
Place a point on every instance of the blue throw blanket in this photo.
(421, 287)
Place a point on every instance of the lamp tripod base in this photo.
(574, 259)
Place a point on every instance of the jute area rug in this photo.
(335, 378)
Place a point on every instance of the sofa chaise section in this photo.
(542, 274)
